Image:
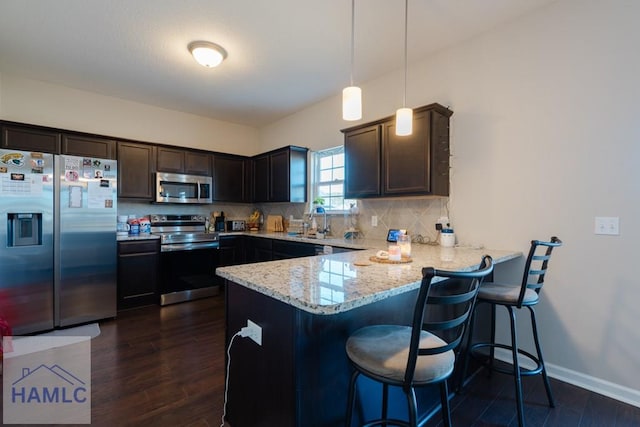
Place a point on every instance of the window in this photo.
(328, 179)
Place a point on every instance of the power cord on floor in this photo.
(244, 332)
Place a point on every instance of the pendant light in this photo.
(404, 115)
(352, 95)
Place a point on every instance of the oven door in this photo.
(188, 272)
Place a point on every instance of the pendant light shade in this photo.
(352, 95)
(351, 103)
(404, 121)
(404, 115)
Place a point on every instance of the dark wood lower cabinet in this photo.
(138, 264)
(282, 249)
(258, 249)
(231, 252)
(299, 376)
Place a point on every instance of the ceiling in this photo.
(283, 54)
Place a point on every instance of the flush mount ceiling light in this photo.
(207, 54)
(404, 115)
(352, 95)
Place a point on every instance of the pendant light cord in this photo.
(406, 19)
(353, 24)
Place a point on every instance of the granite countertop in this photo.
(358, 243)
(329, 284)
(141, 236)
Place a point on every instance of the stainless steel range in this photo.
(188, 257)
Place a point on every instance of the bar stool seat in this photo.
(506, 294)
(382, 351)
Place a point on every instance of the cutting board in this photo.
(274, 223)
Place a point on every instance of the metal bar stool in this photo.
(510, 296)
(423, 353)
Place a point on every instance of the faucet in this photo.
(325, 225)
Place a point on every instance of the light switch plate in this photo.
(607, 225)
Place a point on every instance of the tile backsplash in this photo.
(417, 215)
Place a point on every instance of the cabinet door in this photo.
(85, 146)
(135, 171)
(197, 163)
(229, 176)
(261, 178)
(30, 139)
(138, 273)
(231, 252)
(258, 249)
(362, 162)
(170, 160)
(439, 154)
(297, 174)
(284, 249)
(406, 168)
(279, 179)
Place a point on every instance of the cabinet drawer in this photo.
(138, 246)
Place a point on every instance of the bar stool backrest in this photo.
(443, 308)
(536, 266)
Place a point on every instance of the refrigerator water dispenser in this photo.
(25, 229)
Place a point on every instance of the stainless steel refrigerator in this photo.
(58, 238)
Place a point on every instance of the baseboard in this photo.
(578, 379)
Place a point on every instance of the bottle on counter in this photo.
(447, 238)
(219, 222)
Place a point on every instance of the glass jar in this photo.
(404, 241)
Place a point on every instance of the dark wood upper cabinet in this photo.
(276, 176)
(183, 161)
(260, 169)
(136, 169)
(280, 175)
(407, 158)
(231, 178)
(169, 160)
(48, 140)
(380, 164)
(86, 146)
(362, 150)
(30, 139)
(197, 163)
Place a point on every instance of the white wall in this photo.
(40, 103)
(544, 138)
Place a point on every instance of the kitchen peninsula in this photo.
(307, 307)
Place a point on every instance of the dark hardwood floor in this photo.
(490, 401)
(164, 366)
(160, 366)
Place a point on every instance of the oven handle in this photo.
(189, 246)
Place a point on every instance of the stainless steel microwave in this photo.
(181, 188)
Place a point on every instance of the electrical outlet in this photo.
(442, 222)
(254, 332)
(374, 221)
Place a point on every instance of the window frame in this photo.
(316, 157)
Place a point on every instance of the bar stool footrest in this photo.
(474, 352)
